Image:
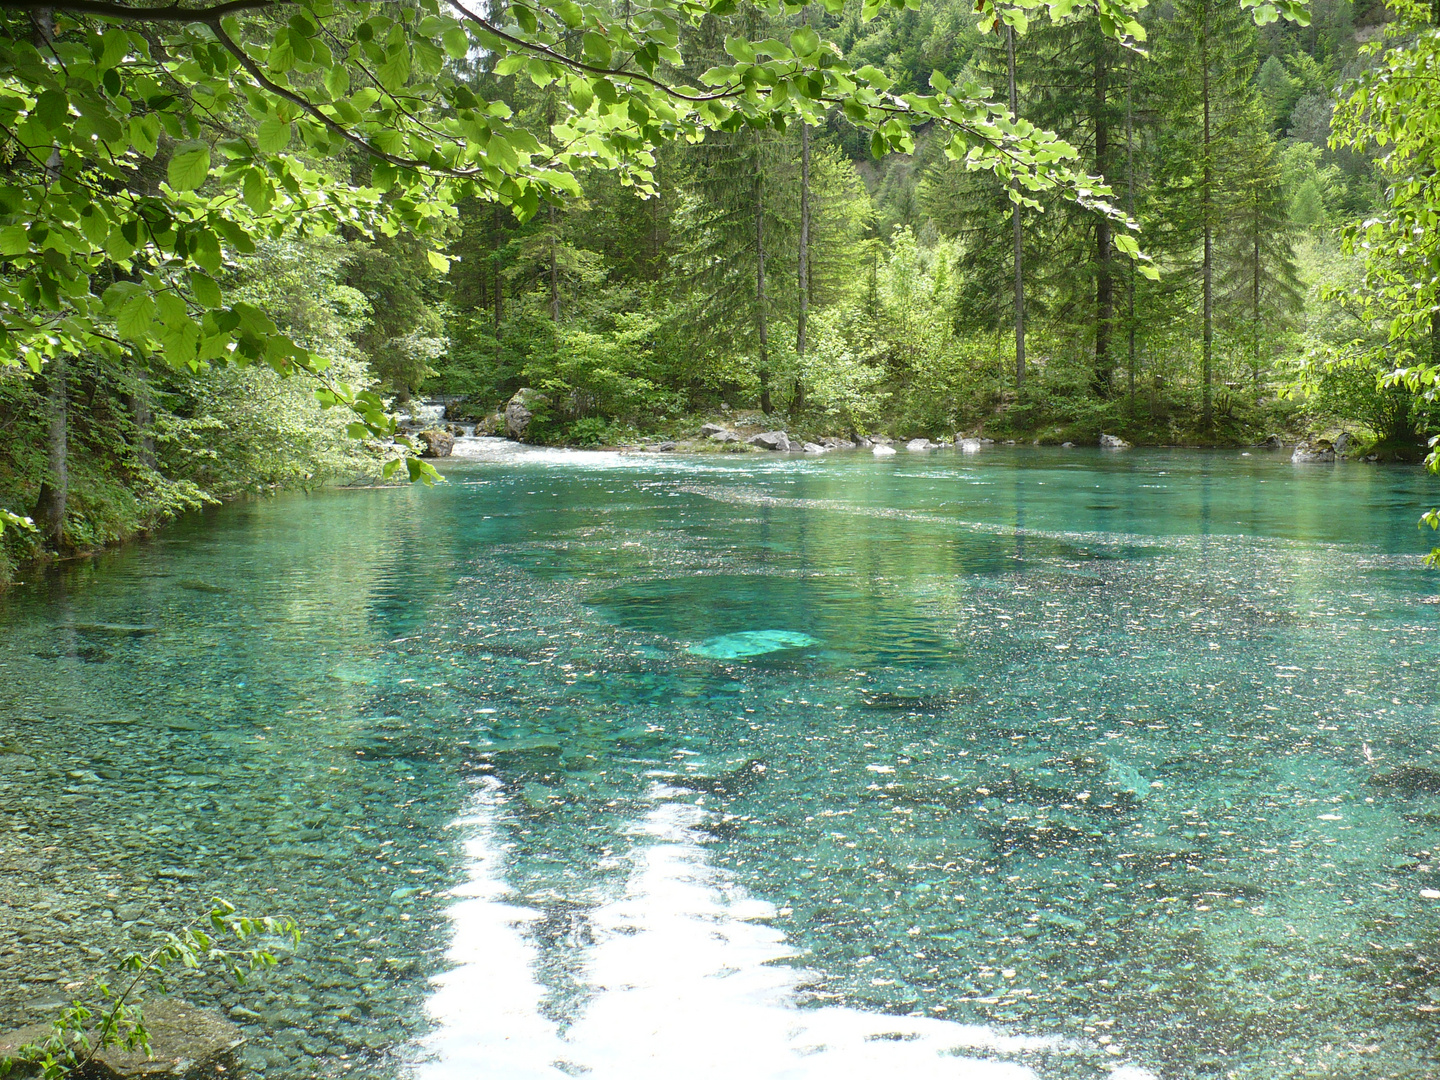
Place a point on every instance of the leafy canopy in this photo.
(150, 145)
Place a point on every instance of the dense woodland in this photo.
(805, 269)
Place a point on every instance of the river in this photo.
(1027, 763)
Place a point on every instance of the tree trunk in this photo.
(55, 490)
(51, 504)
(1016, 228)
(499, 298)
(1104, 285)
(141, 416)
(1208, 256)
(797, 400)
(554, 272)
(1130, 210)
(1255, 292)
(762, 330)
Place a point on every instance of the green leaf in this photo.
(581, 96)
(570, 12)
(804, 41)
(597, 48)
(438, 261)
(740, 49)
(337, 82)
(256, 191)
(114, 46)
(394, 72)
(273, 135)
(189, 167)
(457, 43)
(135, 317)
(52, 109)
(14, 240)
(145, 134)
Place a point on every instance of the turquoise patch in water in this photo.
(751, 643)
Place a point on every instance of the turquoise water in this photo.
(1076, 764)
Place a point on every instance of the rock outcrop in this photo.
(1319, 451)
(436, 443)
(770, 440)
(520, 410)
(917, 445)
(967, 446)
(881, 450)
(1113, 442)
(186, 1043)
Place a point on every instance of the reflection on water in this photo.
(685, 981)
(1070, 764)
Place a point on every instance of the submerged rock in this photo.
(186, 1043)
(1094, 781)
(437, 443)
(770, 440)
(1319, 451)
(1113, 442)
(742, 778)
(116, 629)
(1409, 780)
(968, 446)
(751, 643)
(196, 585)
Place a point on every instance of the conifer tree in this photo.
(1260, 288)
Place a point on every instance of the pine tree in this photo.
(1260, 289)
(1209, 51)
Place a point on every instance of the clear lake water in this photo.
(1023, 764)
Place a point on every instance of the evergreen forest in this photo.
(1181, 223)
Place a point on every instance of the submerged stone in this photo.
(751, 643)
(1409, 779)
(186, 1043)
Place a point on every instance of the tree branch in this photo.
(168, 13)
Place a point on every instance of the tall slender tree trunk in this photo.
(1017, 230)
(498, 236)
(554, 271)
(1130, 210)
(1255, 292)
(51, 505)
(797, 400)
(1435, 312)
(141, 416)
(1208, 255)
(1104, 282)
(762, 330)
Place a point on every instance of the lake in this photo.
(1027, 763)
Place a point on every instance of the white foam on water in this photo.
(689, 983)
